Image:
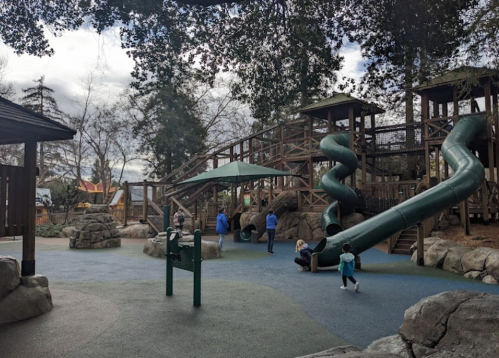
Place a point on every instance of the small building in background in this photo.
(117, 204)
(43, 199)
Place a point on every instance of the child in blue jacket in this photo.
(271, 225)
(346, 267)
(222, 227)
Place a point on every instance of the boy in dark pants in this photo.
(346, 267)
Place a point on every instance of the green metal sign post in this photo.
(185, 257)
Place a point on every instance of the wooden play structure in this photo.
(395, 162)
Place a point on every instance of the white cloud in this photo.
(352, 63)
(76, 54)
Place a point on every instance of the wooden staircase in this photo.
(405, 240)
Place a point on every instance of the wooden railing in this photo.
(12, 214)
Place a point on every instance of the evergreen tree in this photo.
(40, 99)
(170, 131)
(96, 172)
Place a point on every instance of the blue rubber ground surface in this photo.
(389, 283)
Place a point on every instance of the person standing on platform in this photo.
(271, 226)
(222, 227)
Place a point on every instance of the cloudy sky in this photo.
(80, 52)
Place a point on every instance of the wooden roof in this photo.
(339, 105)
(19, 124)
(441, 88)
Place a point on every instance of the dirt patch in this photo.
(481, 235)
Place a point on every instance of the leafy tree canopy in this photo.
(403, 41)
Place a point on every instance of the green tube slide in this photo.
(469, 174)
(335, 147)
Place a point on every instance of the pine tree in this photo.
(40, 99)
(170, 131)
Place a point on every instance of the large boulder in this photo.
(428, 242)
(68, 231)
(391, 344)
(156, 247)
(21, 297)
(134, 231)
(492, 264)
(349, 352)
(452, 261)
(454, 324)
(10, 274)
(475, 260)
(436, 253)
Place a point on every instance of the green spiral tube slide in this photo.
(335, 147)
(469, 174)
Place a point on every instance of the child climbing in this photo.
(305, 255)
(346, 267)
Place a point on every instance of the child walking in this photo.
(346, 267)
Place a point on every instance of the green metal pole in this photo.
(166, 217)
(197, 268)
(169, 264)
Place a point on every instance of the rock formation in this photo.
(95, 230)
(481, 263)
(156, 247)
(448, 325)
(21, 297)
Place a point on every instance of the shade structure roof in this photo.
(339, 106)
(237, 172)
(441, 88)
(19, 125)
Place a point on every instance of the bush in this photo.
(49, 230)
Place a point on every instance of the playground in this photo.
(111, 302)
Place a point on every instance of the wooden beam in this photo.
(144, 202)
(28, 262)
(351, 123)
(485, 202)
(490, 139)
(126, 204)
(420, 245)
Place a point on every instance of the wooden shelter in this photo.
(17, 184)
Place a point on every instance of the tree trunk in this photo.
(283, 202)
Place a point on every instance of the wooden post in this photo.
(363, 149)
(250, 150)
(281, 154)
(420, 244)
(351, 122)
(490, 139)
(437, 164)
(314, 263)
(465, 216)
(485, 202)
(125, 204)
(144, 203)
(329, 121)
(215, 195)
(28, 201)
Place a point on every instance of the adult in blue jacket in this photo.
(222, 226)
(271, 225)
